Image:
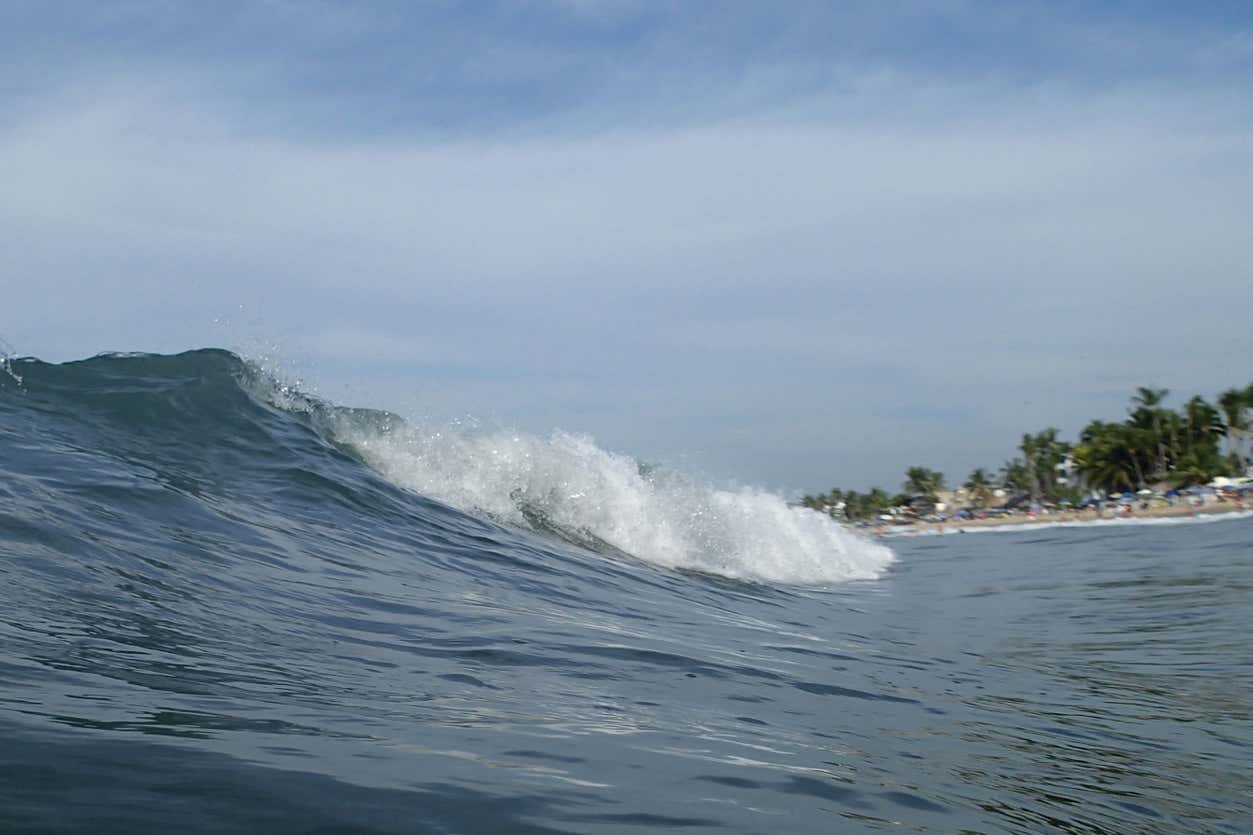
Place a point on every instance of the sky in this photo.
(797, 245)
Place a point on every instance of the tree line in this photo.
(1154, 445)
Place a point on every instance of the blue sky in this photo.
(799, 245)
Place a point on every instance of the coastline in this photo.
(1070, 518)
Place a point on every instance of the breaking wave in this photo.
(564, 486)
(567, 485)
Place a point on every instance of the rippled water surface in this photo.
(217, 615)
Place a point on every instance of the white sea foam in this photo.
(7, 355)
(568, 484)
(1114, 522)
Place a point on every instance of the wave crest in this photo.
(566, 484)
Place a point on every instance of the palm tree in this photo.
(1015, 476)
(1148, 415)
(1149, 398)
(1111, 456)
(1199, 466)
(920, 481)
(980, 487)
(1233, 403)
(1036, 471)
(1030, 453)
(867, 505)
(818, 503)
(1203, 424)
(878, 500)
(1248, 404)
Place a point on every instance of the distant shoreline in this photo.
(1067, 517)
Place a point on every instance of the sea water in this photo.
(229, 607)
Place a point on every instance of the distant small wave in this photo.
(1200, 519)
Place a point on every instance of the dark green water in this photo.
(222, 611)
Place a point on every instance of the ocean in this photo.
(228, 606)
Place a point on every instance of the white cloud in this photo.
(629, 276)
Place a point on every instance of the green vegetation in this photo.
(924, 483)
(1035, 473)
(1155, 445)
(854, 506)
(980, 487)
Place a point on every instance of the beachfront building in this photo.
(1067, 471)
(960, 497)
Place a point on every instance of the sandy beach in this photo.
(1108, 514)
